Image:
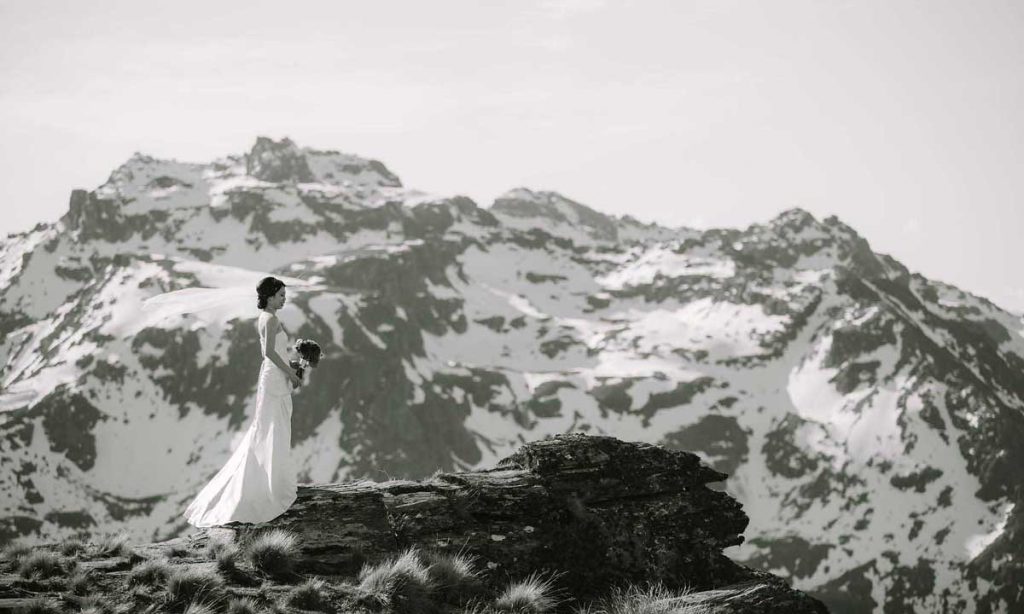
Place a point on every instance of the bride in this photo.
(258, 483)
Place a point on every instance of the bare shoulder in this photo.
(274, 323)
(266, 322)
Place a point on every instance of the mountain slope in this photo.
(869, 418)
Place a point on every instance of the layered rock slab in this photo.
(597, 511)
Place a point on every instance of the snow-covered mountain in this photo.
(871, 420)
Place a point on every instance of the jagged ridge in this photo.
(836, 387)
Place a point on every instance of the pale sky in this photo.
(901, 117)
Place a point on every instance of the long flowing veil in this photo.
(219, 304)
(230, 294)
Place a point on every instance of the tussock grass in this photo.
(533, 595)
(309, 596)
(652, 599)
(741, 592)
(95, 604)
(113, 545)
(178, 552)
(227, 559)
(191, 586)
(42, 564)
(400, 585)
(71, 547)
(40, 605)
(15, 551)
(153, 572)
(200, 608)
(274, 554)
(453, 576)
(227, 555)
(78, 583)
(214, 546)
(476, 607)
(243, 605)
(134, 557)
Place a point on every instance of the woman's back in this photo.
(258, 481)
(272, 378)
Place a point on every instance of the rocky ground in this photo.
(584, 514)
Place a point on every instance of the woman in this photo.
(258, 482)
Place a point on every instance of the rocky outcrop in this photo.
(598, 511)
(277, 161)
(590, 512)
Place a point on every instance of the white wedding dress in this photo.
(258, 483)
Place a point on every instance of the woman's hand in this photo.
(294, 377)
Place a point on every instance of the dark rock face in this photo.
(276, 161)
(600, 511)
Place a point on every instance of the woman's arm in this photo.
(270, 351)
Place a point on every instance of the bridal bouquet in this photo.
(309, 356)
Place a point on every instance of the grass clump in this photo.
(533, 595)
(274, 554)
(42, 564)
(477, 607)
(193, 586)
(200, 608)
(40, 605)
(113, 545)
(13, 552)
(399, 585)
(134, 557)
(243, 605)
(153, 572)
(71, 547)
(452, 575)
(94, 604)
(178, 552)
(214, 547)
(309, 596)
(227, 559)
(652, 599)
(78, 582)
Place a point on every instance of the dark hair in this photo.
(268, 287)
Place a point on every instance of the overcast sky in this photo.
(901, 117)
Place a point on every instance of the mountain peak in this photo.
(548, 207)
(284, 161)
(553, 212)
(277, 161)
(515, 201)
(794, 217)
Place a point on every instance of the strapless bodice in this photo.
(280, 344)
(272, 378)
